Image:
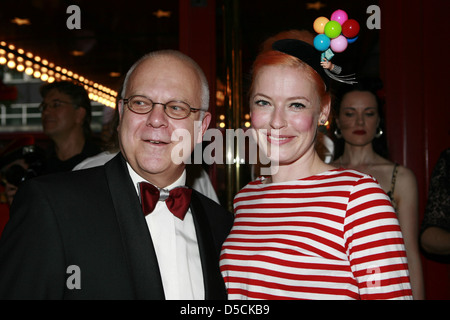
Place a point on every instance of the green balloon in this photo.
(333, 29)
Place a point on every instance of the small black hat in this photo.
(305, 52)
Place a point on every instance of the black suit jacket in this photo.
(92, 219)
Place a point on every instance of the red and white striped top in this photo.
(334, 235)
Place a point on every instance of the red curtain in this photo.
(414, 67)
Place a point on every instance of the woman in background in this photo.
(361, 146)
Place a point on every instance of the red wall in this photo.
(198, 40)
(415, 71)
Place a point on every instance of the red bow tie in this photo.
(177, 200)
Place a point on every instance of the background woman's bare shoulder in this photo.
(405, 177)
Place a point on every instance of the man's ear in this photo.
(204, 126)
(119, 110)
(120, 106)
(80, 114)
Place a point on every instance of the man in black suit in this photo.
(86, 235)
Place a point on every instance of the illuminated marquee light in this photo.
(47, 71)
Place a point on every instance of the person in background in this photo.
(435, 233)
(66, 120)
(361, 146)
(20, 160)
(130, 229)
(308, 230)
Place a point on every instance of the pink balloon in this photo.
(339, 16)
(339, 44)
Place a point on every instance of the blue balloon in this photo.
(352, 39)
(321, 42)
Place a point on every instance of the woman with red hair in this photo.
(308, 230)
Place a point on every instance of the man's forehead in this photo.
(54, 93)
(164, 63)
(164, 72)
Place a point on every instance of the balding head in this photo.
(174, 55)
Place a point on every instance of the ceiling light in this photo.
(45, 70)
(11, 64)
(114, 74)
(77, 53)
(21, 22)
(162, 14)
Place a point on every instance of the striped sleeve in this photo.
(374, 244)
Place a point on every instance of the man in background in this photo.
(66, 120)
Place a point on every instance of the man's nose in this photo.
(157, 117)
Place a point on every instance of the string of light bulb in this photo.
(40, 68)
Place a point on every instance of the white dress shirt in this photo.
(176, 247)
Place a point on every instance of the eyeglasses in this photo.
(174, 109)
(55, 104)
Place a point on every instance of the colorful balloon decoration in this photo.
(334, 36)
(339, 29)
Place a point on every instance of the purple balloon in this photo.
(339, 44)
(339, 16)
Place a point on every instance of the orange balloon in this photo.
(319, 24)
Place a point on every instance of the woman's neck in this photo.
(307, 166)
(357, 157)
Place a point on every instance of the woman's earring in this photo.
(338, 133)
(379, 133)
